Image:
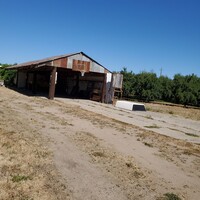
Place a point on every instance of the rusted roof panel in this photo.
(37, 62)
(58, 61)
(61, 62)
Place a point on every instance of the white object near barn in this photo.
(1, 83)
(128, 105)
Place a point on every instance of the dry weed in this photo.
(189, 113)
(122, 169)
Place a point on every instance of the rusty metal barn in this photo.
(73, 75)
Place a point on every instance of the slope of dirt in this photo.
(60, 150)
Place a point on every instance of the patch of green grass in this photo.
(171, 112)
(171, 196)
(191, 134)
(19, 178)
(152, 126)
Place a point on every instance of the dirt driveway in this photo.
(72, 149)
(165, 124)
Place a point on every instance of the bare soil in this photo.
(78, 149)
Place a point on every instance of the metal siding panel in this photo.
(76, 57)
(97, 68)
(86, 59)
(117, 80)
(71, 58)
(79, 65)
(37, 62)
(80, 57)
(62, 62)
(94, 67)
(69, 63)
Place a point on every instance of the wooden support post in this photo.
(34, 89)
(17, 79)
(103, 89)
(52, 84)
(27, 77)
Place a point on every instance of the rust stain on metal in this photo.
(79, 65)
(62, 62)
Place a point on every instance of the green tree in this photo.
(165, 88)
(128, 82)
(146, 87)
(186, 89)
(7, 75)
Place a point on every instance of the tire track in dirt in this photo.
(123, 170)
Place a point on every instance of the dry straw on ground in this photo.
(185, 112)
(26, 168)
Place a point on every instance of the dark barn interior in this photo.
(72, 75)
(73, 84)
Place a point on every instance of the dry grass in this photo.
(26, 169)
(152, 126)
(189, 113)
(127, 175)
(191, 134)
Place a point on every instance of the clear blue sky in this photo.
(142, 35)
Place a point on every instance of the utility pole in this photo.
(161, 71)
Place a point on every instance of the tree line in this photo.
(146, 86)
(7, 75)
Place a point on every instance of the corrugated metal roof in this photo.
(49, 59)
(37, 62)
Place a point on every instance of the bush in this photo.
(7, 75)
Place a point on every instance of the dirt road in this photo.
(165, 124)
(67, 149)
